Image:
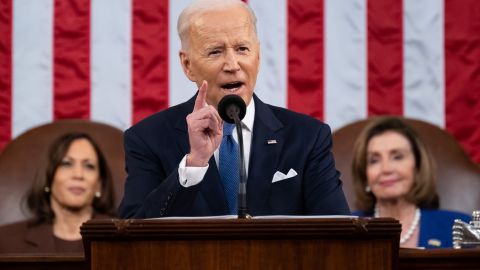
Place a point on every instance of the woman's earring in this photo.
(98, 194)
(46, 189)
(368, 189)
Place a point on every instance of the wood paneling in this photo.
(242, 244)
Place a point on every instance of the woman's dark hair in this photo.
(423, 192)
(38, 197)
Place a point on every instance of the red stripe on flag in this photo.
(385, 57)
(305, 56)
(150, 57)
(5, 72)
(462, 73)
(71, 59)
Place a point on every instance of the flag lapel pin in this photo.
(271, 141)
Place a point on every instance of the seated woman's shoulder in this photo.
(445, 214)
(18, 226)
(12, 237)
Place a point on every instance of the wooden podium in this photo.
(274, 243)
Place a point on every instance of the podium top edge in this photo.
(192, 228)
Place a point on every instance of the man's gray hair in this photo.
(197, 7)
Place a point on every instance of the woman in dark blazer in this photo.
(76, 186)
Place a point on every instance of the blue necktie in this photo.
(229, 166)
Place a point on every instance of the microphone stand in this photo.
(232, 107)
(242, 187)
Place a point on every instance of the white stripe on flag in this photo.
(111, 62)
(424, 82)
(272, 31)
(181, 88)
(345, 62)
(32, 64)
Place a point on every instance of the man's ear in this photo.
(186, 65)
(258, 57)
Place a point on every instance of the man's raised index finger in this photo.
(201, 97)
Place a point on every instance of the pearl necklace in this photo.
(412, 227)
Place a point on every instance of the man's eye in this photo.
(243, 49)
(214, 52)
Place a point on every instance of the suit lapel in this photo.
(41, 236)
(181, 127)
(211, 187)
(263, 156)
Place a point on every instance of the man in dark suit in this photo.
(172, 157)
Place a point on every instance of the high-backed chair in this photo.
(26, 155)
(458, 178)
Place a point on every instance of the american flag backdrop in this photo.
(116, 61)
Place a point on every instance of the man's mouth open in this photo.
(232, 87)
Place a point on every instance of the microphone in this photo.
(232, 109)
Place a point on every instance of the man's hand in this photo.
(205, 130)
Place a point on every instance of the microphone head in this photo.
(231, 105)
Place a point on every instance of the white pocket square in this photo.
(279, 176)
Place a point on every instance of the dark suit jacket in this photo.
(20, 237)
(155, 146)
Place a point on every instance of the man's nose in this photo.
(231, 62)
